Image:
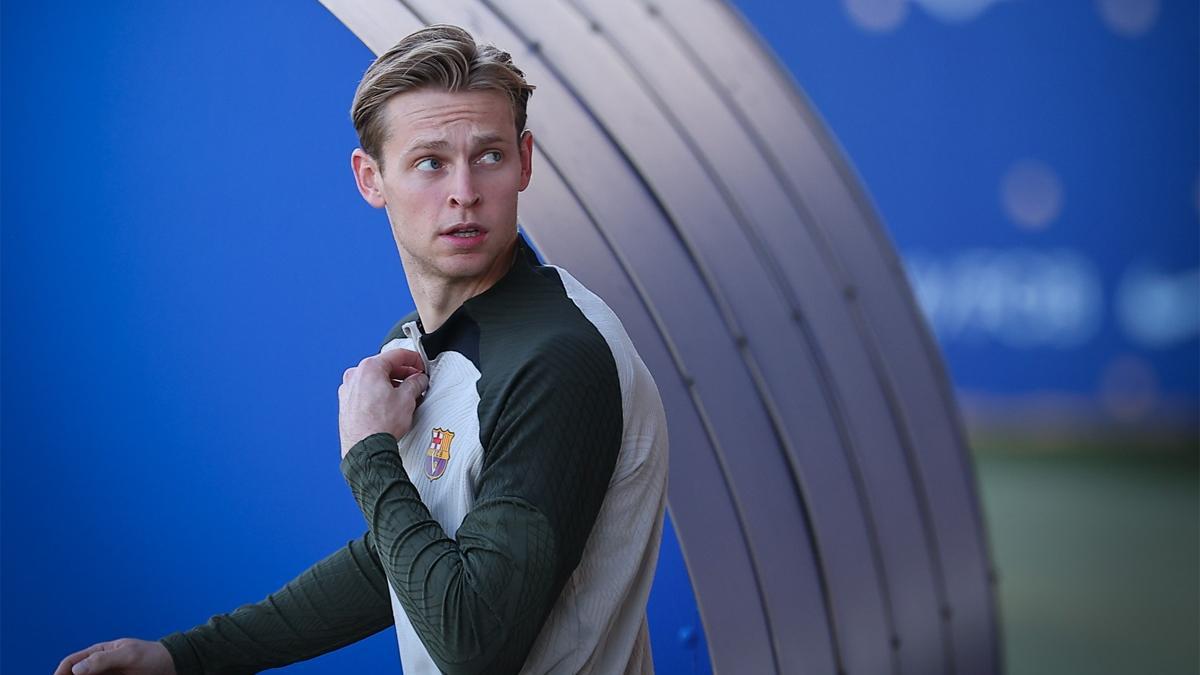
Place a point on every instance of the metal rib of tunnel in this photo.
(820, 484)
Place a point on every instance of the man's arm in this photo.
(337, 601)
(479, 601)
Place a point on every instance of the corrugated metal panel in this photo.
(915, 382)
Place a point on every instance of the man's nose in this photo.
(463, 193)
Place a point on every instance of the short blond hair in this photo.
(440, 56)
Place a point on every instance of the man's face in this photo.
(452, 168)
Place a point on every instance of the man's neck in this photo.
(437, 298)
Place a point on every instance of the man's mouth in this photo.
(465, 236)
(464, 230)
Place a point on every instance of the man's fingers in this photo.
(404, 372)
(100, 662)
(64, 667)
(415, 384)
(399, 361)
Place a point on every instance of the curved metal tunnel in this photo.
(820, 484)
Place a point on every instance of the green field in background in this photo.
(1098, 555)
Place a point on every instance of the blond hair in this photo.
(440, 56)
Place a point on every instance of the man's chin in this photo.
(465, 268)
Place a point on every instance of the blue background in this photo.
(188, 269)
(936, 109)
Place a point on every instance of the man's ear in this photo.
(525, 144)
(367, 177)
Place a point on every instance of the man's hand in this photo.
(126, 656)
(370, 402)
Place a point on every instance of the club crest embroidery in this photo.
(438, 454)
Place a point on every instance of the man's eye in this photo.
(490, 157)
(429, 164)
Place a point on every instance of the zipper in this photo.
(413, 333)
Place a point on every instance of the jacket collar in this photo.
(524, 262)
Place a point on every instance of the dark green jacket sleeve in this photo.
(337, 601)
(479, 601)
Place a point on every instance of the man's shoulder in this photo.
(567, 342)
(542, 318)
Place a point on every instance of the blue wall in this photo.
(187, 270)
(1038, 165)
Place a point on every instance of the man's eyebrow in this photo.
(488, 139)
(426, 144)
(441, 145)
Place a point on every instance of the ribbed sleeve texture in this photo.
(477, 603)
(338, 601)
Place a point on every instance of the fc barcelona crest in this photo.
(438, 454)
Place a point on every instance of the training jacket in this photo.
(514, 528)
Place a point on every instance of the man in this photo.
(507, 446)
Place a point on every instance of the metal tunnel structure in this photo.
(820, 483)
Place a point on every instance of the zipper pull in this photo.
(413, 332)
